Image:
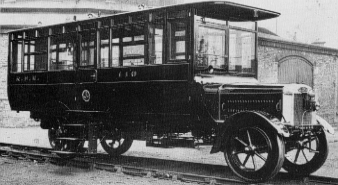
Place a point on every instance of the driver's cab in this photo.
(225, 49)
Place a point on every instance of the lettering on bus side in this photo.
(26, 78)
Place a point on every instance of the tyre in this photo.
(306, 154)
(66, 146)
(116, 142)
(253, 154)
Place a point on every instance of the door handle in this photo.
(94, 76)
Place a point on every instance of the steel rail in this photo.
(99, 162)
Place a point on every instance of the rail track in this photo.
(148, 167)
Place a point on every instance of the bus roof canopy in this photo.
(232, 11)
(213, 9)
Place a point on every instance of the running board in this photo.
(63, 152)
(74, 125)
(70, 139)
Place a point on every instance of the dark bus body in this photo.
(163, 71)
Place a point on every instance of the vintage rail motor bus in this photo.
(176, 69)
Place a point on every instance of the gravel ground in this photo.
(18, 172)
(27, 172)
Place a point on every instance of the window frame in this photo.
(228, 27)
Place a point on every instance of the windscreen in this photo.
(225, 48)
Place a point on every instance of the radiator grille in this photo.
(301, 116)
(232, 103)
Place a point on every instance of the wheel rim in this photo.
(303, 151)
(306, 153)
(115, 142)
(249, 149)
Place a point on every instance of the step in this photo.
(74, 125)
(70, 138)
(63, 152)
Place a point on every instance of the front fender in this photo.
(248, 118)
(326, 126)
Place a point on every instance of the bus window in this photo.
(104, 62)
(242, 52)
(16, 62)
(177, 35)
(35, 52)
(88, 48)
(133, 55)
(62, 53)
(115, 51)
(41, 54)
(29, 56)
(156, 38)
(228, 48)
(211, 47)
(133, 43)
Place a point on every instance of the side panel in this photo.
(143, 89)
(32, 91)
(158, 89)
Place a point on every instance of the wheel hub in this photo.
(250, 150)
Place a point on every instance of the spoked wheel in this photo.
(254, 154)
(65, 146)
(116, 142)
(306, 154)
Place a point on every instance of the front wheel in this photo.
(254, 154)
(306, 154)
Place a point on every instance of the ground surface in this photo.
(21, 172)
(30, 173)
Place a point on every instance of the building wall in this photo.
(324, 61)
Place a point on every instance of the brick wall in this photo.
(324, 61)
(9, 118)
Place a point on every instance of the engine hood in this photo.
(211, 79)
(288, 89)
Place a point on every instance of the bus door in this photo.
(86, 73)
(61, 71)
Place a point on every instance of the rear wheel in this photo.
(64, 147)
(254, 154)
(115, 142)
(306, 154)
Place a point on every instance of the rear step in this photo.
(70, 139)
(74, 125)
(63, 152)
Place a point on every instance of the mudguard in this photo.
(236, 121)
(326, 126)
